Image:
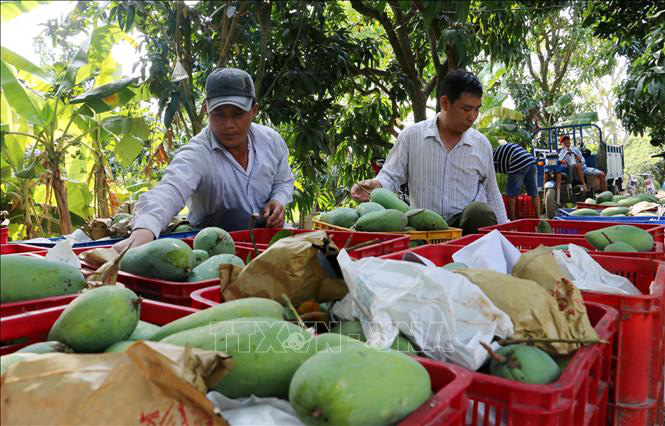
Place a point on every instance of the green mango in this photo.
(565, 247)
(143, 331)
(97, 319)
(455, 265)
(628, 202)
(585, 212)
(120, 346)
(543, 227)
(342, 216)
(590, 201)
(609, 204)
(388, 200)
(266, 353)
(629, 234)
(284, 233)
(426, 220)
(8, 360)
(209, 269)
(234, 309)
(369, 207)
(200, 256)
(215, 241)
(358, 386)
(382, 221)
(647, 197)
(164, 259)
(618, 198)
(620, 246)
(46, 348)
(613, 211)
(118, 217)
(182, 228)
(354, 330)
(28, 277)
(334, 340)
(604, 196)
(526, 364)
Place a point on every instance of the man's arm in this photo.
(494, 199)
(282, 186)
(156, 208)
(395, 171)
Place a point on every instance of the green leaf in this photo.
(128, 149)
(11, 9)
(462, 10)
(105, 98)
(16, 96)
(80, 199)
(33, 170)
(23, 64)
(80, 60)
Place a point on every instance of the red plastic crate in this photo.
(638, 355)
(569, 227)
(449, 404)
(15, 308)
(387, 243)
(14, 248)
(590, 206)
(34, 326)
(4, 234)
(204, 298)
(175, 292)
(530, 242)
(523, 207)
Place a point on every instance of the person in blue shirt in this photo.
(573, 158)
(232, 169)
(520, 166)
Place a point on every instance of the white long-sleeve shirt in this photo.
(204, 176)
(440, 180)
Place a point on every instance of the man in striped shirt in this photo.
(520, 166)
(447, 164)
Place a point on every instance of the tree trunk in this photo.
(60, 192)
(419, 105)
(101, 192)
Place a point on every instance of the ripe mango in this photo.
(526, 364)
(382, 221)
(209, 269)
(27, 277)
(214, 241)
(234, 309)
(164, 259)
(369, 207)
(358, 386)
(629, 234)
(426, 220)
(266, 353)
(388, 200)
(97, 319)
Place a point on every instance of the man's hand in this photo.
(273, 213)
(564, 162)
(361, 190)
(137, 238)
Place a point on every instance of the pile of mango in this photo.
(173, 260)
(385, 212)
(328, 379)
(616, 205)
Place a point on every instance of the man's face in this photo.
(566, 143)
(230, 124)
(461, 114)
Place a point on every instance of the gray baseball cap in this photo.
(229, 86)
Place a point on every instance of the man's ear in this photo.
(254, 110)
(444, 103)
(205, 106)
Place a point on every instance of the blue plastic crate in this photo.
(109, 241)
(564, 214)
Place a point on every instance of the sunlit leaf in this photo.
(11, 9)
(16, 96)
(127, 150)
(22, 64)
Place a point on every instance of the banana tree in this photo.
(54, 129)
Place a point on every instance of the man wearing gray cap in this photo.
(230, 170)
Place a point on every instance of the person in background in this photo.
(573, 158)
(447, 164)
(232, 169)
(520, 166)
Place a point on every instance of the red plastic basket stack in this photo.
(568, 227)
(15, 248)
(523, 207)
(206, 297)
(386, 243)
(532, 241)
(32, 327)
(638, 356)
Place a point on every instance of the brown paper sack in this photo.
(539, 265)
(289, 266)
(534, 312)
(150, 384)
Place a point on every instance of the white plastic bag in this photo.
(62, 252)
(587, 274)
(493, 251)
(255, 411)
(443, 313)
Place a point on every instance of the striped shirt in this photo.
(204, 176)
(440, 180)
(511, 158)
